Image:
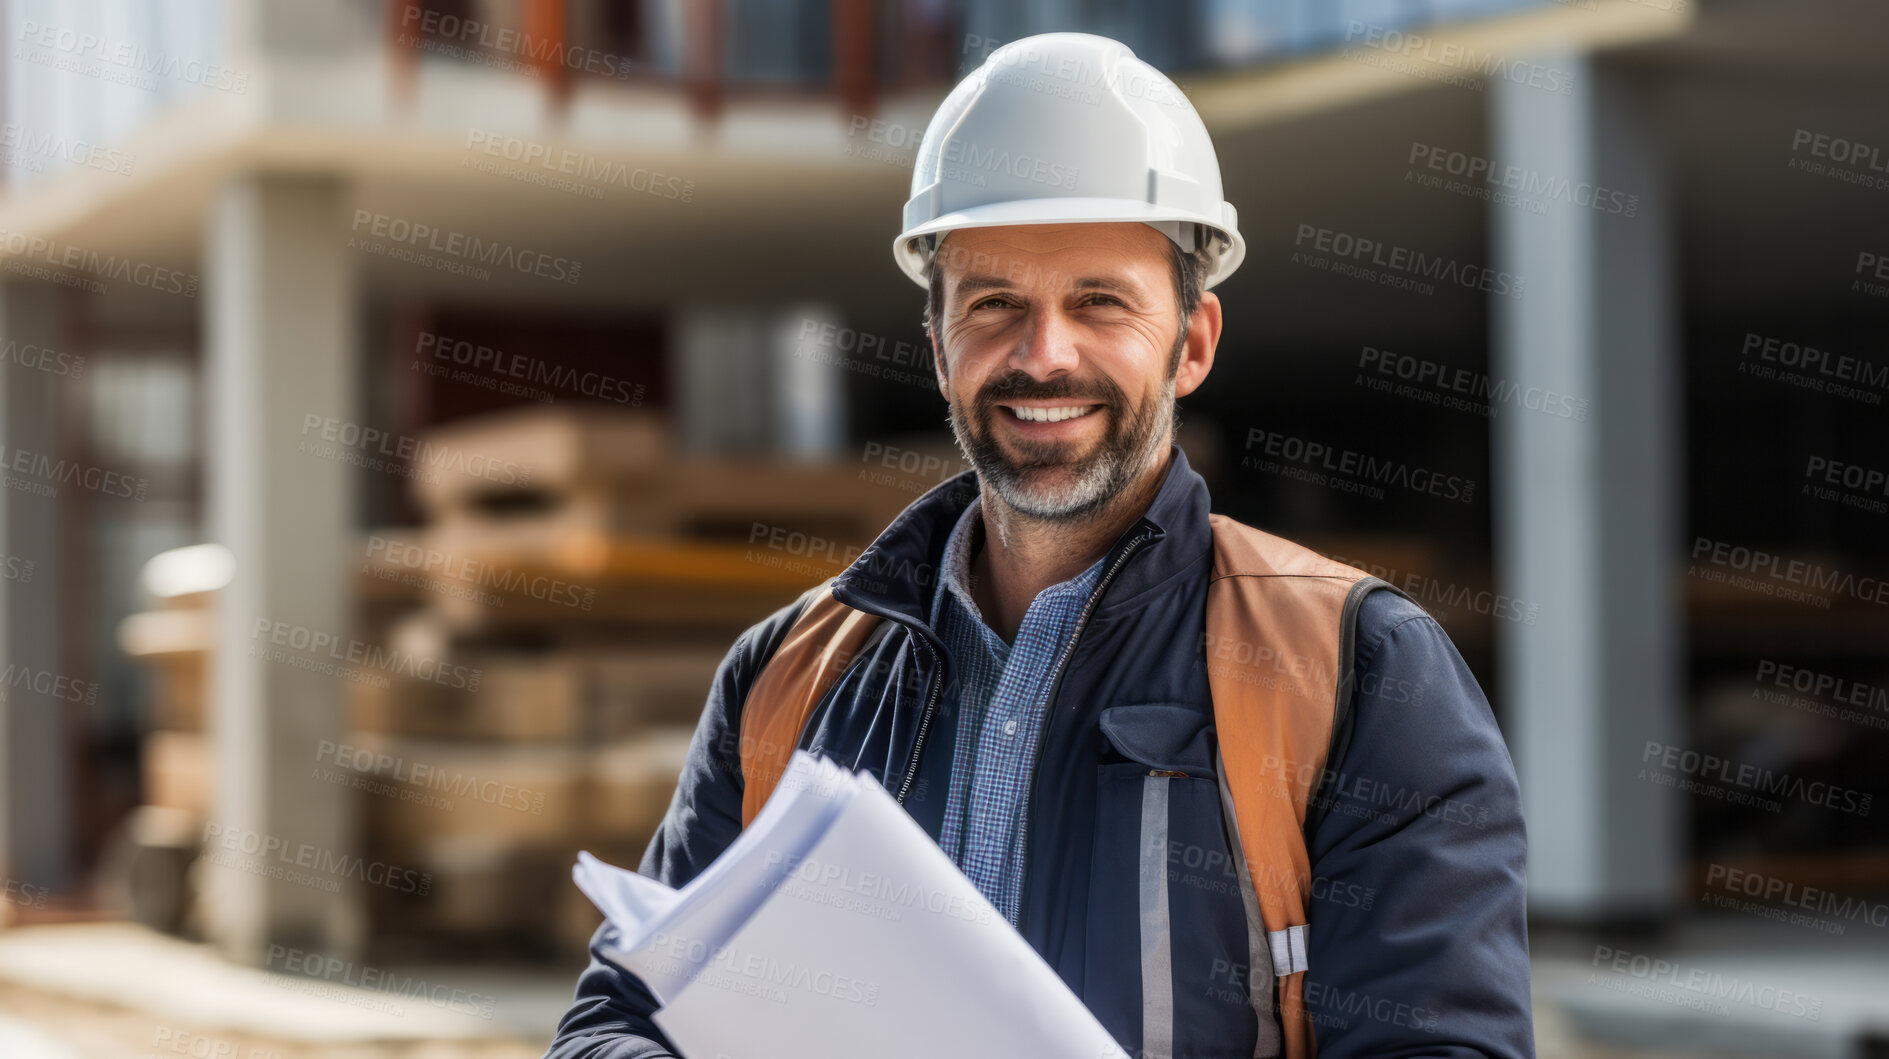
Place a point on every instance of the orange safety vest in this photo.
(1269, 601)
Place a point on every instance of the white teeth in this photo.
(1053, 415)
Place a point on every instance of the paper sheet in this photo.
(836, 927)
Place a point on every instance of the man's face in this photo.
(1057, 352)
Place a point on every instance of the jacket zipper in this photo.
(1049, 721)
(924, 721)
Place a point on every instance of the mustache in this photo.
(1020, 386)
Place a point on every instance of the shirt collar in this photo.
(965, 533)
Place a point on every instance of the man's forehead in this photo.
(1125, 256)
(971, 272)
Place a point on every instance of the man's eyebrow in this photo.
(1107, 283)
(978, 282)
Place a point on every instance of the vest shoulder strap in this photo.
(817, 648)
(1279, 655)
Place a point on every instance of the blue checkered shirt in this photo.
(1003, 696)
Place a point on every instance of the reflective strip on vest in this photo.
(1259, 989)
(1157, 956)
(1288, 950)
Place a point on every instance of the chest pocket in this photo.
(1168, 947)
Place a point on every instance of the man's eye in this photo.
(1108, 298)
(990, 301)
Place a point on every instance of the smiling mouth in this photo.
(1049, 414)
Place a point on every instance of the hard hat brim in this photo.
(915, 263)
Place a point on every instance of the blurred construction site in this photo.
(405, 404)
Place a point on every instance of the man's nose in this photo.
(1047, 346)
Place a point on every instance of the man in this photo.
(1042, 651)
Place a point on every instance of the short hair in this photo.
(1190, 278)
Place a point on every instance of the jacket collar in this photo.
(897, 575)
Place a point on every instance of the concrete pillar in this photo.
(280, 331)
(720, 354)
(810, 394)
(1587, 510)
(35, 829)
(761, 380)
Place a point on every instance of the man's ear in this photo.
(1203, 337)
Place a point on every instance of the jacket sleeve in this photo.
(610, 1017)
(1418, 944)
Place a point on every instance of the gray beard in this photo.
(1127, 451)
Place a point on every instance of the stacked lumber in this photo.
(176, 640)
(587, 582)
(586, 515)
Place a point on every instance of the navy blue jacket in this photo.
(1417, 944)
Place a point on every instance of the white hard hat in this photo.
(1064, 127)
